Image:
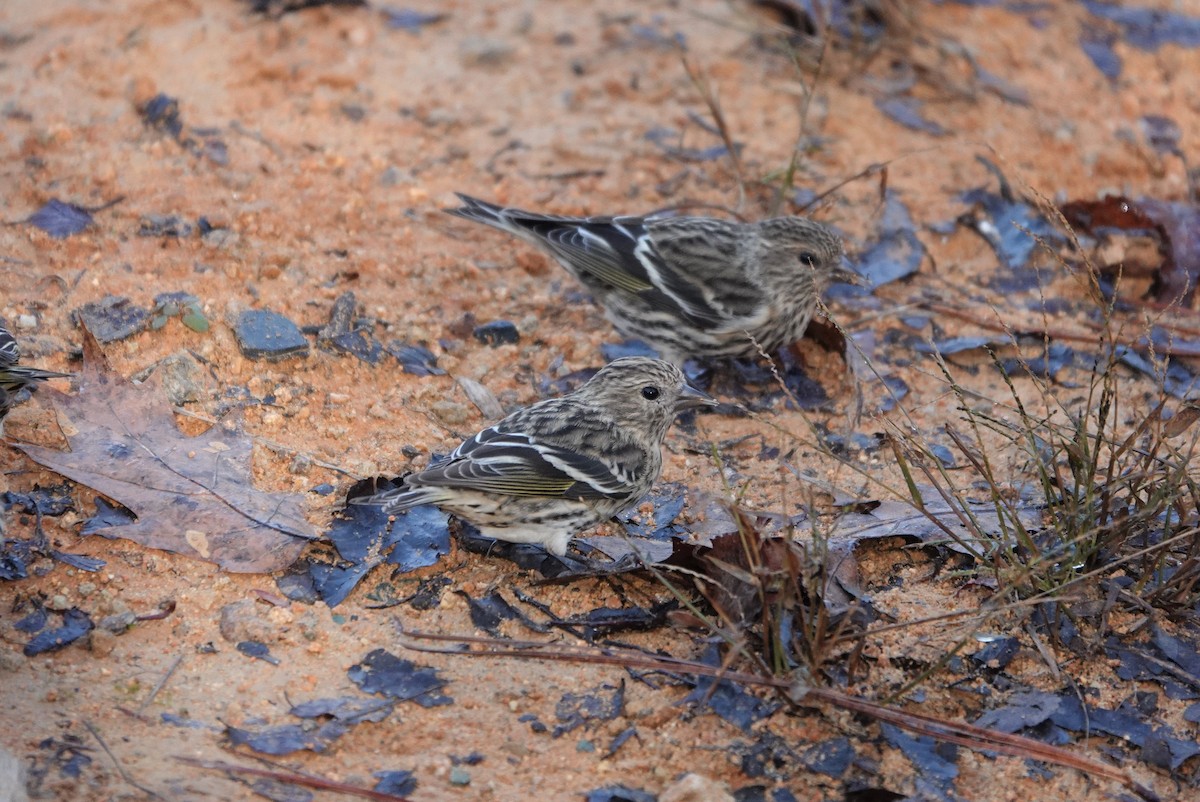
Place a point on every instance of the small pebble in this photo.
(183, 378)
(220, 238)
(112, 318)
(476, 51)
(164, 225)
(118, 623)
(460, 776)
(242, 621)
(263, 334)
(696, 788)
(451, 413)
(498, 332)
(102, 642)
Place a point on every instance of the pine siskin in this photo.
(689, 286)
(562, 465)
(14, 378)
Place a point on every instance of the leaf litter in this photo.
(190, 495)
(1012, 226)
(326, 720)
(365, 537)
(75, 624)
(727, 536)
(1172, 256)
(381, 672)
(60, 219)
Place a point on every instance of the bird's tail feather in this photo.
(483, 212)
(399, 499)
(37, 374)
(18, 376)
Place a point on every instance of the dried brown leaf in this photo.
(1188, 413)
(191, 495)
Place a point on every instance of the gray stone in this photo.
(112, 318)
(242, 621)
(183, 378)
(476, 51)
(263, 334)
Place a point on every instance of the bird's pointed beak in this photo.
(690, 398)
(846, 274)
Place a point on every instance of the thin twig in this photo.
(161, 683)
(237, 127)
(714, 108)
(293, 778)
(959, 733)
(121, 769)
(1142, 346)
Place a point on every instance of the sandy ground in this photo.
(344, 137)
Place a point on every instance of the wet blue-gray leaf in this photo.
(60, 219)
(831, 757)
(406, 19)
(75, 625)
(415, 359)
(112, 318)
(263, 334)
(1149, 28)
(348, 709)
(619, 793)
(396, 783)
(288, 738)
(909, 112)
(896, 251)
(383, 673)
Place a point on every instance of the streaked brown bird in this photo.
(689, 286)
(13, 377)
(553, 469)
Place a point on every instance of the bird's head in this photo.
(643, 395)
(792, 247)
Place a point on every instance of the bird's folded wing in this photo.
(618, 253)
(701, 266)
(512, 464)
(10, 352)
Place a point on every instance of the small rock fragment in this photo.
(117, 623)
(263, 334)
(696, 788)
(164, 225)
(182, 378)
(101, 644)
(451, 413)
(112, 318)
(476, 51)
(341, 317)
(241, 621)
(498, 332)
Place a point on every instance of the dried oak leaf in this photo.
(191, 495)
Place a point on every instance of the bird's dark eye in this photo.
(808, 258)
(650, 393)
